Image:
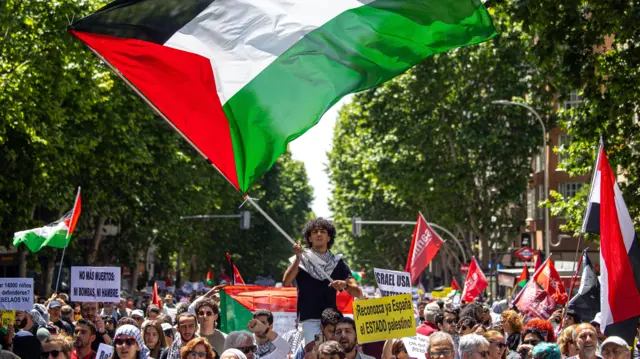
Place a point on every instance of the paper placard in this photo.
(16, 293)
(416, 346)
(95, 284)
(104, 351)
(7, 317)
(284, 322)
(384, 318)
(391, 282)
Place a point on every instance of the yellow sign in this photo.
(8, 317)
(438, 294)
(447, 290)
(384, 318)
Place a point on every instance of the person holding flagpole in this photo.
(315, 292)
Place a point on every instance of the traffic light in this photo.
(245, 220)
(356, 226)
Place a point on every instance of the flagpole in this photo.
(285, 234)
(573, 282)
(75, 203)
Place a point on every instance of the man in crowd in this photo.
(331, 350)
(109, 309)
(83, 338)
(90, 313)
(138, 316)
(328, 321)
(187, 327)
(29, 321)
(269, 343)
(243, 342)
(447, 321)
(66, 314)
(428, 327)
(347, 337)
(310, 272)
(473, 346)
(421, 305)
(596, 324)
(122, 310)
(168, 302)
(441, 346)
(615, 348)
(54, 309)
(586, 339)
(208, 313)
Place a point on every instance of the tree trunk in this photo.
(23, 251)
(485, 253)
(194, 271)
(51, 268)
(178, 265)
(92, 254)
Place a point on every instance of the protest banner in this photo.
(391, 282)
(7, 317)
(284, 322)
(95, 284)
(104, 351)
(416, 346)
(16, 293)
(384, 318)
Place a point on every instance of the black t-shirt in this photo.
(314, 296)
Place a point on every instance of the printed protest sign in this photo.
(284, 322)
(16, 293)
(7, 317)
(104, 351)
(384, 318)
(391, 282)
(95, 284)
(416, 346)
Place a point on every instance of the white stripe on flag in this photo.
(605, 309)
(242, 37)
(626, 223)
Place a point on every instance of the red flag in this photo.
(475, 283)
(524, 277)
(534, 301)
(155, 299)
(454, 284)
(538, 261)
(237, 278)
(547, 276)
(424, 246)
(75, 214)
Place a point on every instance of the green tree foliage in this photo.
(592, 47)
(431, 140)
(66, 120)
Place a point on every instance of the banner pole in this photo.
(60, 269)
(285, 234)
(573, 283)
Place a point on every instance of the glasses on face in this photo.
(203, 313)
(249, 349)
(531, 342)
(127, 341)
(53, 353)
(500, 345)
(483, 354)
(194, 353)
(441, 353)
(451, 321)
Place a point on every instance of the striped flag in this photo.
(619, 252)
(240, 79)
(587, 301)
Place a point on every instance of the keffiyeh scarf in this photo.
(132, 331)
(317, 264)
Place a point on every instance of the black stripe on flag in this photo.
(587, 302)
(147, 20)
(625, 329)
(592, 222)
(634, 259)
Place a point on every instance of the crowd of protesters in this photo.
(189, 329)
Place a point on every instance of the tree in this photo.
(431, 140)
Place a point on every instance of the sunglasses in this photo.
(500, 345)
(248, 349)
(451, 321)
(127, 341)
(53, 353)
(443, 353)
(205, 314)
(194, 353)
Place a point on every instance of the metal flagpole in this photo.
(67, 239)
(285, 234)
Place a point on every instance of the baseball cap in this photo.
(55, 304)
(597, 319)
(166, 326)
(615, 340)
(138, 313)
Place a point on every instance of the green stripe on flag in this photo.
(35, 242)
(359, 49)
(233, 315)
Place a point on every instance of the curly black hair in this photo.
(319, 223)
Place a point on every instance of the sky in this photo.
(311, 148)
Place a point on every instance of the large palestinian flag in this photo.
(237, 304)
(242, 78)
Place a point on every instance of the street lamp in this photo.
(547, 232)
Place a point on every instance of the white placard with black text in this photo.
(104, 351)
(16, 293)
(391, 282)
(95, 284)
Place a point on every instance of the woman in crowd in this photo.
(128, 343)
(58, 347)
(197, 348)
(565, 342)
(233, 354)
(154, 339)
(512, 326)
(394, 348)
(466, 325)
(497, 345)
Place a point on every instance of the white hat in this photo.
(166, 326)
(615, 340)
(597, 319)
(138, 312)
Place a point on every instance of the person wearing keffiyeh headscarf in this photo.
(319, 274)
(128, 343)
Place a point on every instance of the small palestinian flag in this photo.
(237, 304)
(210, 279)
(358, 275)
(241, 79)
(56, 234)
(524, 277)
